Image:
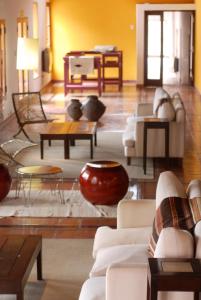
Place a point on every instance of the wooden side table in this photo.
(154, 124)
(168, 274)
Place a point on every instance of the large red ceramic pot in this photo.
(103, 182)
(5, 181)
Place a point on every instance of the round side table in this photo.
(40, 172)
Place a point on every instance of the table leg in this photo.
(91, 146)
(20, 295)
(95, 138)
(39, 266)
(66, 148)
(41, 148)
(145, 150)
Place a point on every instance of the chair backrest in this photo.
(28, 107)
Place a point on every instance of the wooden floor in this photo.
(119, 106)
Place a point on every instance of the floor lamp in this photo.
(27, 55)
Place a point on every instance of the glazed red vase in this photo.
(103, 182)
(5, 181)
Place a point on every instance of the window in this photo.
(35, 30)
(22, 31)
(48, 26)
(2, 58)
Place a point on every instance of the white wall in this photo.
(9, 11)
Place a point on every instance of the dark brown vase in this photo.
(103, 182)
(5, 181)
(93, 108)
(74, 109)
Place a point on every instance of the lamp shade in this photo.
(27, 54)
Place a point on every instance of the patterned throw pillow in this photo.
(172, 212)
(195, 205)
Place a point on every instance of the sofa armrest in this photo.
(107, 237)
(135, 213)
(144, 109)
(126, 281)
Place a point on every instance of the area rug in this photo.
(47, 203)
(109, 148)
(66, 265)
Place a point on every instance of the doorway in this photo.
(169, 44)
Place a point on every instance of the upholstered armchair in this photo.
(163, 109)
(121, 255)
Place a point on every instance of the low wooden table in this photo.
(68, 132)
(169, 274)
(17, 256)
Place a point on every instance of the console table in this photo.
(155, 124)
(84, 83)
(102, 62)
(169, 274)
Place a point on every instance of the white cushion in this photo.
(160, 93)
(166, 111)
(118, 254)
(107, 237)
(128, 138)
(197, 234)
(173, 243)
(168, 186)
(93, 289)
(194, 188)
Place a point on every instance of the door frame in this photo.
(140, 19)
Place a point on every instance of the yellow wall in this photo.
(82, 24)
(198, 46)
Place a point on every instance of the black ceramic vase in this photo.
(74, 109)
(93, 108)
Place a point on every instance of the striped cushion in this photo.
(172, 212)
(195, 205)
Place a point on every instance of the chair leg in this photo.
(22, 129)
(128, 160)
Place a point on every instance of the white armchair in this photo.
(121, 258)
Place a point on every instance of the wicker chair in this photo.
(28, 109)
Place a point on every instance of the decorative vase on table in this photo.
(103, 182)
(93, 108)
(5, 181)
(74, 109)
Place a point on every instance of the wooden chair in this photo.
(28, 109)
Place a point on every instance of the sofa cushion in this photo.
(197, 235)
(172, 212)
(169, 186)
(93, 289)
(128, 138)
(194, 195)
(174, 242)
(107, 237)
(118, 254)
(160, 93)
(165, 110)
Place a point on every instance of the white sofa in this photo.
(120, 255)
(162, 108)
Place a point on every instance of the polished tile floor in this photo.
(119, 106)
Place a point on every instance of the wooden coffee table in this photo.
(17, 256)
(68, 132)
